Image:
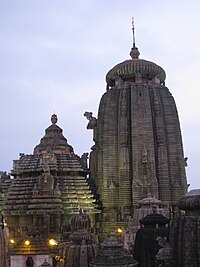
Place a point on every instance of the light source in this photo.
(53, 242)
(119, 230)
(27, 242)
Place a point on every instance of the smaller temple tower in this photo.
(146, 206)
(112, 254)
(151, 239)
(47, 189)
(82, 244)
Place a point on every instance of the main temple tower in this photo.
(138, 146)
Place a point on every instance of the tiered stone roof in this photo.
(52, 179)
(49, 186)
(5, 182)
(53, 140)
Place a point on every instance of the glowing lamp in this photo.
(27, 242)
(119, 230)
(53, 242)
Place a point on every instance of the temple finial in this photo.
(54, 118)
(133, 30)
(134, 50)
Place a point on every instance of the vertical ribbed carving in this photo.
(125, 182)
(107, 156)
(142, 142)
(161, 153)
(3, 249)
(176, 163)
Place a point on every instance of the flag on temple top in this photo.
(133, 28)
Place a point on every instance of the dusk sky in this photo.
(54, 56)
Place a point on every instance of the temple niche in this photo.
(138, 145)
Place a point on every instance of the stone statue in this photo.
(84, 159)
(92, 120)
(33, 231)
(164, 253)
(185, 160)
(46, 180)
(144, 156)
(46, 168)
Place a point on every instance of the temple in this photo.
(56, 211)
(138, 146)
(48, 188)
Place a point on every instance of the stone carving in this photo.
(45, 264)
(185, 232)
(164, 253)
(46, 180)
(111, 253)
(138, 77)
(92, 120)
(118, 82)
(156, 80)
(185, 160)
(80, 221)
(4, 255)
(33, 231)
(84, 159)
(144, 156)
(46, 219)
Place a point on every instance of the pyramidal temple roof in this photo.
(53, 140)
(52, 179)
(52, 149)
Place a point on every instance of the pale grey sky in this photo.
(54, 56)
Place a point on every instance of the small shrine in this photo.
(112, 254)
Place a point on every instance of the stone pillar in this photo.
(4, 261)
